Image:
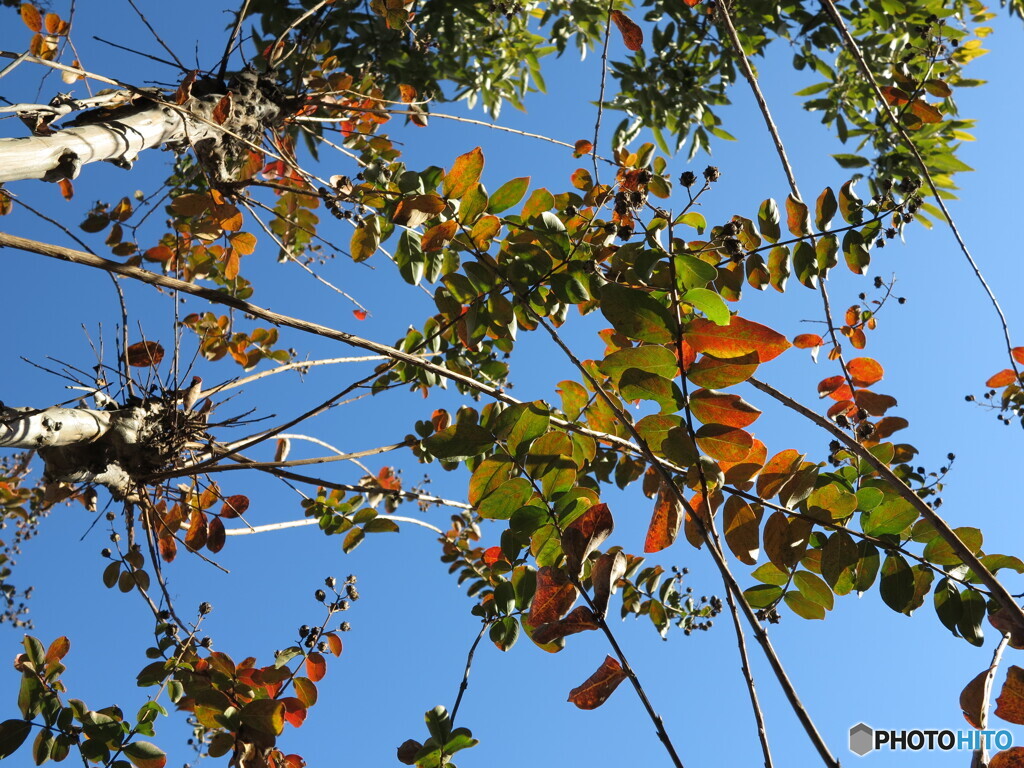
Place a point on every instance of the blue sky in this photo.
(412, 628)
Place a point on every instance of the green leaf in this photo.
(814, 589)
(839, 562)
(694, 272)
(264, 715)
(506, 499)
(522, 423)
(439, 723)
(461, 738)
(12, 735)
(851, 161)
(381, 525)
(940, 552)
(142, 754)
(762, 595)
(825, 209)
(768, 220)
(650, 358)
(508, 194)
(636, 384)
(710, 303)
(459, 442)
(892, 516)
(972, 615)
(803, 607)
(693, 219)
(947, 605)
(897, 587)
(636, 314)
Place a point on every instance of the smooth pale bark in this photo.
(119, 140)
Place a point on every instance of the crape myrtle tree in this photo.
(281, 146)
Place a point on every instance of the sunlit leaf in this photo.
(464, 174)
(632, 35)
(599, 686)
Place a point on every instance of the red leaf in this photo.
(67, 190)
(1002, 379)
(360, 314)
(864, 371)
(632, 35)
(145, 353)
(234, 506)
(492, 555)
(167, 547)
(1018, 354)
(440, 419)
(580, 619)
(554, 596)
(223, 110)
(294, 711)
(738, 338)
(599, 686)
(664, 527)
(808, 340)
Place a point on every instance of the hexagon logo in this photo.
(862, 739)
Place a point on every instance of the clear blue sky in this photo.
(412, 628)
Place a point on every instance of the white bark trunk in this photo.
(61, 156)
(28, 428)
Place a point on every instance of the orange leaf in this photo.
(742, 471)
(360, 314)
(316, 667)
(464, 174)
(887, 426)
(895, 95)
(1002, 379)
(554, 596)
(724, 443)
(409, 93)
(808, 340)
(874, 403)
(717, 408)
(144, 353)
(1008, 758)
(584, 147)
(692, 3)
(197, 531)
(827, 386)
(740, 337)
(167, 547)
(864, 371)
(67, 189)
(580, 619)
(31, 16)
(1018, 354)
(714, 373)
(334, 643)
(798, 217)
(632, 35)
(1011, 697)
(584, 534)
(435, 238)
(925, 112)
(492, 555)
(777, 471)
(599, 686)
(664, 527)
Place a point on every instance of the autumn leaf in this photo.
(32, 17)
(1011, 697)
(437, 237)
(554, 596)
(664, 526)
(740, 337)
(144, 353)
(316, 667)
(1002, 379)
(1008, 758)
(582, 147)
(585, 534)
(464, 174)
(599, 686)
(864, 371)
(632, 35)
(717, 408)
(807, 341)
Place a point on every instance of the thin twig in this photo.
(600, 97)
(854, 50)
(287, 367)
(465, 675)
